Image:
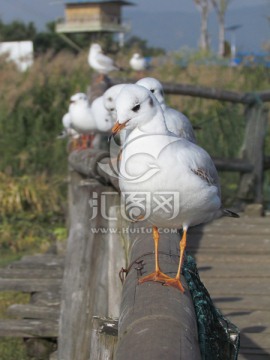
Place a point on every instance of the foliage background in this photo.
(34, 163)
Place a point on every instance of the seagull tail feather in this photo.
(230, 213)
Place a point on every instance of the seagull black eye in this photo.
(152, 91)
(136, 108)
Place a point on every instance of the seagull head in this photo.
(95, 48)
(109, 98)
(155, 87)
(135, 106)
(79, 99)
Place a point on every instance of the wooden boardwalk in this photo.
(233, 258)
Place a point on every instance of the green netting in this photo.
(219, 339)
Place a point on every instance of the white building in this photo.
(20, 52)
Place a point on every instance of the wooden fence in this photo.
(91, 288)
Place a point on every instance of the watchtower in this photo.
(93, 16)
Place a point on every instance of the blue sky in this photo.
(252, 14)
(188, 5)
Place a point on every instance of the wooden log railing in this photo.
(91, 289)
(210, 93)
(156, 322)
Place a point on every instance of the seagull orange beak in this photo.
(117, 127)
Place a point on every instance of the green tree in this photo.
(16, 31)
(138, 44)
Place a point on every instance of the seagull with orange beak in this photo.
(154, 162)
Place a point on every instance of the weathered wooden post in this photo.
(85, 282)
(251, 184)
(156, 322)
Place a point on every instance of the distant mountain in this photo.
(172, 30)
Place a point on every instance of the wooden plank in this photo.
(38, 262)
(235, 165)
(259, 232)
(255, 340)
(28, 311)
(245, 221)
(85, 277)
(254, 351)
(251, 184)
(54, 356)
(241, 227)
(246, 303)
(25, 273)
(237, 286)
(104, 338)
(215, 271)
(248, 355)
(116, 260)
(205, 258)
(28, 328)
(46, 298)
(87, 163)
(30, 286)
(207, 92)
(47, 259)
(250, 321)
(154, 314)
(245, 244)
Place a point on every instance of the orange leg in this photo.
(157, 275)
(84, 139)
(175, 282)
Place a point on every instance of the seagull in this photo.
(109, 98)
(81, 117)
(156, 162)
(68, 131)
(137, 62)
(103, 118)
(176, 121)
(100, 62)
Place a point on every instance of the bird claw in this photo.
(174, 282)
(157, 276)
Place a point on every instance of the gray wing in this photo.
(105, 61)
(200, 163)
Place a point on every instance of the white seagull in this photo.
(68, 131)
(137, 62)
(109, 99)
(155, 162)
(103, 118)
(100, 62)
(82, 119)
(176, 121)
